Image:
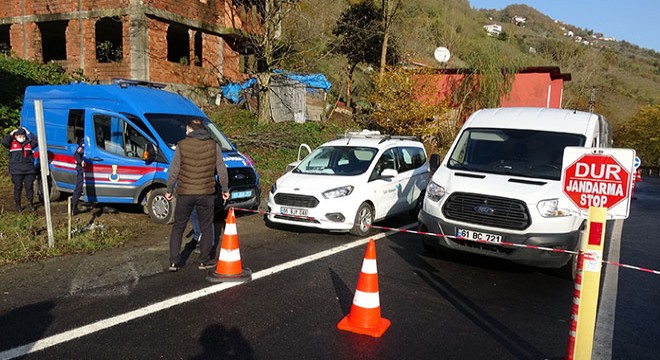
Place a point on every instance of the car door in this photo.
(386, 190)
(413, 173)
(115, 171)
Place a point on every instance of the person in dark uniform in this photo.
(21, 145)
(79, 155)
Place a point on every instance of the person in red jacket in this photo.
(21, 146)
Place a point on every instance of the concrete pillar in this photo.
(139, 39)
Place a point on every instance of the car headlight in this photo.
(338, 192)
(549, 208)
(273, 188)
(434, 191)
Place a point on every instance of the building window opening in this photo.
(109, 40)
(5, 44)
(53, 40)
(198, 48)
(178, 44)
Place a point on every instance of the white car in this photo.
(349, 183)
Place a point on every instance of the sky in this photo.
(634, 21)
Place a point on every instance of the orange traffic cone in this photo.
(229, 266)
(364, 317)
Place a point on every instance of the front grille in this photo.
(296, 200)
(506, 213)
(241, 176)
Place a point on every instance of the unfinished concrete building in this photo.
(178, 42)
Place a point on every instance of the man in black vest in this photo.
(21, 145)
(197, 159)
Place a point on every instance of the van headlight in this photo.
(549, 208)
(338, 192)
(434, 191)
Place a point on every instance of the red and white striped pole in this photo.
(572, 331)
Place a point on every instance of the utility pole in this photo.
(592, 100)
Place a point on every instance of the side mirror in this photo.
(434, 163)
(389, 173)
(149, 154)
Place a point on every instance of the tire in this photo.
(53, 192)
(160, 210)
(364, 217)
(418, 206)
(569, 270)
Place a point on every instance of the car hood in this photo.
(529, 190)
(310, 184)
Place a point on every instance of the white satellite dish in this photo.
(441, 54)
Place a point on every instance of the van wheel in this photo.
(53, 192)
(418, 206)
(569, 270)
(363, 220)
(160, 210)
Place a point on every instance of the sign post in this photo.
(596, 184)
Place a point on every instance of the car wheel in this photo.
(363, 220)
(160, 209)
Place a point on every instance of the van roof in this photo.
(131, 99)
(543, 119)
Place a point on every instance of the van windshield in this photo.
(172, 128)
(526, 153)
(337, 160)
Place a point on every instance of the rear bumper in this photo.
(525, 256)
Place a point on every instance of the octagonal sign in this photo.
(598, 178)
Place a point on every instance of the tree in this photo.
(389, 12)
(642, 133)
(359, 32)
(263, 39)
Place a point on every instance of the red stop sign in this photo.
(596, 180)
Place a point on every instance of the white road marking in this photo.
(602, 347)
(177, 300)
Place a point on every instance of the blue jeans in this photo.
(197, 230)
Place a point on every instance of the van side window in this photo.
(75, 130)
(411, 158)
(116, 136)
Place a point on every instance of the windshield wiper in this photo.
(456, 163)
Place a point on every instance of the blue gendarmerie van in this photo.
(130, 130)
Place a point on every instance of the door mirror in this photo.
(434, 163)
(388, 173)
(149, 154)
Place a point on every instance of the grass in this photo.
(24, 237)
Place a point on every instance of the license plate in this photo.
(293, 211)
(477, 235)
(241, 194)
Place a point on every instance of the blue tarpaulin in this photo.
(233, 91)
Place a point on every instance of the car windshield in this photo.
(337, 160)
(526, 153)
(172, 128)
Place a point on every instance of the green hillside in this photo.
(625, 77)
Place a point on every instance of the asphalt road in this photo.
(455, 306)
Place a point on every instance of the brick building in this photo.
(193, 42)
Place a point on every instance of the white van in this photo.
(500, 181)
